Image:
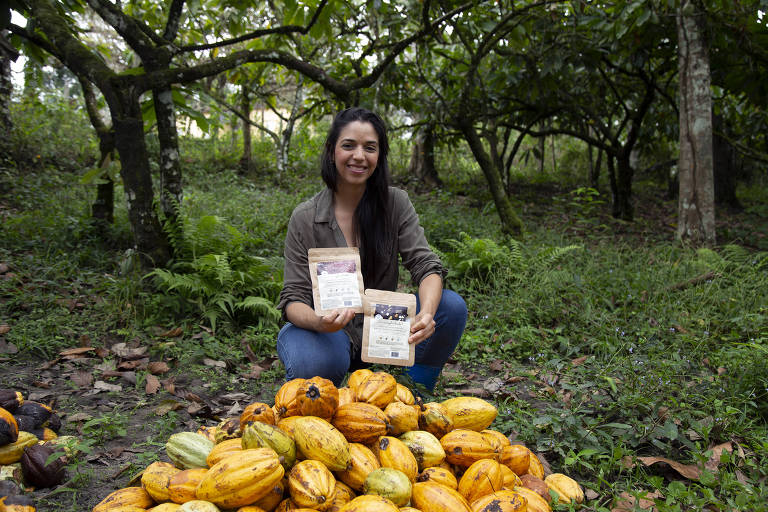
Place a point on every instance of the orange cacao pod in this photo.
(317, 397)
(370, 503)
(241, 478)
(517, 458)
(128, 496)
(480, 479)
(393, 453)
(155, 479)
(377, 389)
(285, 398)
(402, 418)
(362, 462)
(433, 497)
(464, 447)
(500, 501)
(182, 487)
(311, 485)
(257, 411)
(360, 422)
(438, 475)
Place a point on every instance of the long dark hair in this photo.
(372, 226)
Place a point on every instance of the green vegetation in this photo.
(610, 341)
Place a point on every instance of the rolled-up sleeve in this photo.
(414, 250)
(297, 284)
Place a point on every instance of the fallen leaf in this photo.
(741, 477)
(126, 352)
(628, 503)
(233, 397)
(167, 406)
(721, 370)
(102, 352)
(7, 347)
(152, 384)
(158, 367)
(192, 397)
(42, 384)
(578, 361)
(212, 362)
(496, 365)
(479, 392)
(513, 380)
(717, 451)
(78, 416)
(134, 364)
(4, 329)
(254, 373)
(76, 351)
(680, 329)
(688, 471)
(173, 333)
(83, 379)
(663, 412)
(169, 385)
(235, 410)
(591, 494)
(627, 462)
(4, 268)
(100, 385)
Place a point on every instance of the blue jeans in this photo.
(306, 353)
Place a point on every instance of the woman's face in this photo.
(356, 153)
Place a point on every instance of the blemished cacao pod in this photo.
(273, 498)
(438, 475)
(127, 496)
(464, 447)
(12, 452)
(389, 483)
(317, 397)
(198, 506)
(342, 495)
(534, 502)
(535, 467)
(535, 484)
(402, 418)
(425, 447)
(469, 412)
(44, 434)
(480, 479)
(241, 478)
(228, 429)
(285, 398)
(511, 480)
(500, 501)
(188, 450)
(496, 439)
(393, 453)
(40, 413)
(287, 425)
(9, 428)
(223, 449)
(378, 388)
(360, 422)
(250, 508)
(319, 440)
(17, 503)
(346, 396)
(165, 507)
(566, 487)
(433, 497)
(361, 462)
(356, 377)
(434, 419)
(404, 395)
(311, 485)
(207, 432)
(409, 509)
(262, 435)
(182, 487)
(257, 411)
(35, 470)
(286, 506)
(10, 399)
(370, 503)
(517, 458)
(156, 478)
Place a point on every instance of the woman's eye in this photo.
(371, 149)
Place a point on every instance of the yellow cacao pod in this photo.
(535, 467)
(497, 440)
(500, 501)
(389, 483)
(517, 458)
(438, 475)
(317, 397)
(464, 447)
(425, 447)
(434, 419)
(165, 507)
(511, 480)
(361, 462)
(128, 496)
(433, 497)
(356, 377)
(534, 502)
(393, 453)
(262, 435)
(360, 422)
(470, 412)
(566, 487)
(319, 440)
(377, 389)
(156, 478)
(404, 395)
(370, 503)
(250, 508)
(273, 497)
(288, 425)
(346, 396)
(480, 479)
(182, 487)
(12, 452)
(311, 485)
(257, 411)
(223, 449)
(409, 509)
(198, 506)
(241, 478)
(342, 495)
(402, 418)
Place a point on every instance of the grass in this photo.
(620, 354)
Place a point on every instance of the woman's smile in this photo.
(356, 153)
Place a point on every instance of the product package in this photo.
(387, 326)
(337, 281)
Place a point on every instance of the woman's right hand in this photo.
(335, 320)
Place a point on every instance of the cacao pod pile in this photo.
(367, 447)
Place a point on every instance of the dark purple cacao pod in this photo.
(35, 470)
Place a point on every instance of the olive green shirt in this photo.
(313, 225)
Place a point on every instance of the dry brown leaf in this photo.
(627, 462)
(479, 392)
(4, 329)
(717, 451)
(591, 494)
(496, 365)
(126, 352)
(688, 471)
(513, 380)
(169, 385)
(76, 351)
(578, 361)
(627, 503)
(134, 364)
(83, 379)
(100, 385)
(7, 347)
(255, 372)
(158, 367)
(152, 384)
(172, 333)
(741, 477)
(102, 352)
(721, 370)
(4, 268)
(167, 406)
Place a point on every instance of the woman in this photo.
(358, 208)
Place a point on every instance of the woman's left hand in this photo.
(422, 327)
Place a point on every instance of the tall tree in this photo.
(696, 206)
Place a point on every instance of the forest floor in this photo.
(122, 397)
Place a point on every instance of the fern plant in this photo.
(216, 278)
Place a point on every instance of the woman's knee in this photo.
(452, 308)
(308, 354)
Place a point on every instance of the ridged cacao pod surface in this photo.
(188, 450)
(480, 479)
(361, 462)
(9, 428)
(393, 453)
(319, 440)
(311, 485)
(223, 449)
(534, 502)
(125, 497)
(357, 377)
(182, 487)
(198, 506)
(433, 497)
(464, 447)
(317, 397)
(500, 501)
(425, 447)
(360, 422)
(377, 389)
(566, 487)
(517, 458)
(440, 476)
(156, 478)
(262, 435)
(389, 483)
(370, 503)
(402, 418)
(469, 412)
(241, 478)
(257, 411)
(12, 452)
(434, 419)
(285, 398)
(404, 395)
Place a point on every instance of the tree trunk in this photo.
(594, 175)
(725, 167)
(510, 221)
(151, 242)
(245, 108)
(615, 208)
(696, 203)
(103, 207)
(170, 166)
(422, 164)
(6, 90)
(623, 205)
